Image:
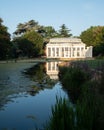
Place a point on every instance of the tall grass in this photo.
(63, 116)
(78, 80)
(66, 117)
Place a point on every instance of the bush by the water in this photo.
(73, 78)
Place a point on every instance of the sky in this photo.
(77, 15)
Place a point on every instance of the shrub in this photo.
(72, 79)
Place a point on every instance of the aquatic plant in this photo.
(62, 117)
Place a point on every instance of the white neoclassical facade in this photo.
(67, 48)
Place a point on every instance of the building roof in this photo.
(62, 40)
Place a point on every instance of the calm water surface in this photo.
(27, 92)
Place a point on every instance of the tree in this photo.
(5, 45)
(28, 26)
(29, 44)
(94, 36)
(64, 31)
(36, 40)
(22, 47)
(50, 32)
(1, 21)
(47, 32)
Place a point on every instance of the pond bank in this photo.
(23, 60)
(32, 60)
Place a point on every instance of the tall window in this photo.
(49, 51)
(66, 51)
(82, 48)
(73, 51)
(57, 51)
(82, 51)
(78, 52)
(53, 65)
(49, 66)
(69, 50)
(53, 51)
(78, 49)
(62, 51)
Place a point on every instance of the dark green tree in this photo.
(94, 36)
(27, 26)
(22, 47)
(29, 44)
(36, 40)
(47, 32)
(5, 45)
(50, 32)
(64, 31)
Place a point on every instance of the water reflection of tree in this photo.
(38, 74)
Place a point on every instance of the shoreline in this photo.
(32, 60)
(22, 60)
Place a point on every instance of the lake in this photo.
(27, 93)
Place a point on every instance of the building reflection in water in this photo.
(52, 70)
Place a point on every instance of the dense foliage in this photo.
(46, 32)
(94, 36)
(29, 44)
(5, 45)
(74, 78)
(64, 31)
